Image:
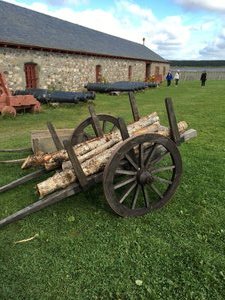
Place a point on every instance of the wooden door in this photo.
(31, 75)
(147, 71)
(129, 73)
(156, 70)
(98, 73)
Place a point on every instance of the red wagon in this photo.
(10, 104)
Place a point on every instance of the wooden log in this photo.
(52, 164)
(52, 159)
(182, 126)
(67, 164)
(91, 166)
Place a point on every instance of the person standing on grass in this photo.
(169, 77)
(203, 78)
(177, 77)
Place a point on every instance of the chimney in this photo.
(143, 40)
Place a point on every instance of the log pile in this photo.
(92, 155)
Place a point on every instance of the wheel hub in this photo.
(144, 177)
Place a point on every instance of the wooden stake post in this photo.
(133, 105)
(175, 136)
(54, 136)
(95, 122)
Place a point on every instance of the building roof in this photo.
(24, 27)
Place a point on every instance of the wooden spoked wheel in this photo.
(36, 108)
(9, 111)
(85, 130)
(142, 174)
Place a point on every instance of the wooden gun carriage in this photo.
(10, 104)
(141, 174)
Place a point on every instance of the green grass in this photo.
(84, 251)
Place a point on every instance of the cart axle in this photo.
(144, 177)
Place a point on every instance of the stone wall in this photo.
(68, 71)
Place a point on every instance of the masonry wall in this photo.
(67, 71)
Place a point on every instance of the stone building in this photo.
(40, 51)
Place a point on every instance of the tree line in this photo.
(197, 63)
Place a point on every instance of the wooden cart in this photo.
(10, 104)
(140, 176)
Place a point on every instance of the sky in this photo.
(175, 29)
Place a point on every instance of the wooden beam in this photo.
(95, 122)
(134, 108)
(76, 164)
(54, 136)
(175, 136)
(123, 129)
(22, 180)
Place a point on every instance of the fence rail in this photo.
(192, 74)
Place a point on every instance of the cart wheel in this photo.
(35, 108)
(85, 130)
(142, 174)
(9, 111)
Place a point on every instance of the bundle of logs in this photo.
(92, 154)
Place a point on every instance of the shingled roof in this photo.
(21, 26)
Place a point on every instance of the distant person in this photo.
(203, 78)
(169, 78)
(176, 78)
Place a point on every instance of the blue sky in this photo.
(175, 29)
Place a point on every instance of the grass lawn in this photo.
(84, 251)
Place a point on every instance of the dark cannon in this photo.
(46, 96)
(119, 86)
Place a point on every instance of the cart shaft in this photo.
(51, 199)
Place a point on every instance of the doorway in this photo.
(31, 75)
(129, 73)
(147, 71)
(98, 72)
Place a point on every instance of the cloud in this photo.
(66, 2)
(171, 37)
(215, 48)
(126, 20)
(215, 5)
(134, 9)
(53, 3)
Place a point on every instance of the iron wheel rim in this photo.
(108, 124)
(137, 177)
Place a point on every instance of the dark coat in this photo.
(203, 76)
(169, 76)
